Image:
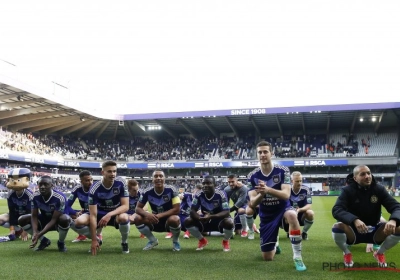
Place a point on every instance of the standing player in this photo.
(48, 214)
(164, 217)
(237, 192)
(108, 204)
(214, 207)
(300, 199)
(81, 217)
(270, 189)
(358, 211)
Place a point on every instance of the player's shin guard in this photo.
(250, 221)
(82, 230)
(175, 233)
(228, 233)
(340, 239)
(195, 232)
(295, 239)
(145, 230)
(389, 242)
(307, 225)
(243, 221)
(62, 233)
(124, 230)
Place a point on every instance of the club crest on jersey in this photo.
(374, 199)
(301, 197)
(276, 179)
(115, 190)
(52, 207)
(216, 203)
(165, 198)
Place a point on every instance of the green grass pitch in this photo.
(242, 262)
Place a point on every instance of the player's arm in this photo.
(228, 191)
(70, 202)
(255, 198)
(93, 227)
(283, 193)
(194, 209)
(148, 216)
(304, 208)
(220, 215)
(123, 208)
(176, 203)
(140, 209)
(242, 199)
(34, 225)
(173, 211)
(194, 213)
(340, 209)
(34, 220)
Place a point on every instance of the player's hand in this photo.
(35, 239)
(152, 218)
(104, 221)
(390, 227)
(261, 188)
(95, 247)
(360, 226)
(24, 236)
(206, 218)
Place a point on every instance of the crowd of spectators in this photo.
(137, 149)
(181, 148)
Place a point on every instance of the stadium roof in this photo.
(26, 112)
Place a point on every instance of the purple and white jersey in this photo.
(186, 203)
(302, 198)
(270, 206)
(83, 197)
(162, 202)
(108, 199)
(19, 205)
(216, 204)
(133, 200)
(56, 202)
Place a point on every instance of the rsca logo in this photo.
(315, 162)
(165, 165)
(71, 163)
(214, 164)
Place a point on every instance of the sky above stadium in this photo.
(134, 57)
